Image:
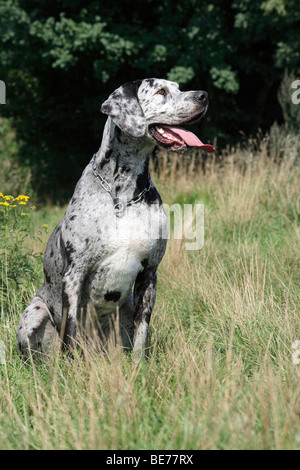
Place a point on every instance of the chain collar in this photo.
(119, 203)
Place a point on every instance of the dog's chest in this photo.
(129, 243)
(135, 232)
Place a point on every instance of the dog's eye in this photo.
(162, 91)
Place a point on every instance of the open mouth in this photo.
(176, 138)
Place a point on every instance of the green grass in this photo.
(219, 373)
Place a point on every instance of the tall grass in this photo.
(219, 373)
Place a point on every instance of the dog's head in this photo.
(156, 109)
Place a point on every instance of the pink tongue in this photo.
(190, 138)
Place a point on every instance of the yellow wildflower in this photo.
(4, 203)
(24, 213)
(24, 203)
(21, 197)
(45, 225)
(1, 195)
(7, 198)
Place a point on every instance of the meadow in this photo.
(221, 369)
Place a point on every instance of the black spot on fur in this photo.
(65, 297)
(112, 295)
(51, 310)
(150, 197)
(125, 169)
(73, 217)
(106, 159)
(118, 134)
(116, 170)
(47, 277)
(106, 109)
(69, 247)
(108, 154)
(142, 180)
(130, 89)
(151, 81)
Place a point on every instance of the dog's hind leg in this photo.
(36, 332)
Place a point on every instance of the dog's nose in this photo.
(202, 97)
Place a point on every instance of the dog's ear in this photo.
(125, 110)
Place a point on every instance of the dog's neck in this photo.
(123, 162)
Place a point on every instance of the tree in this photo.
(60, 60)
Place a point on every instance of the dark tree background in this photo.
(61, 59)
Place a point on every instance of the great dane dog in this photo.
(101, 260)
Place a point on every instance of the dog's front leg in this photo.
(144, 299)
(71, 294)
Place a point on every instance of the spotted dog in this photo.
(101, 260)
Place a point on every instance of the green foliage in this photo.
(181, 74)
(8, 145)
(14, 178)
(60, 60)
(225, 79)
(18, 267)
